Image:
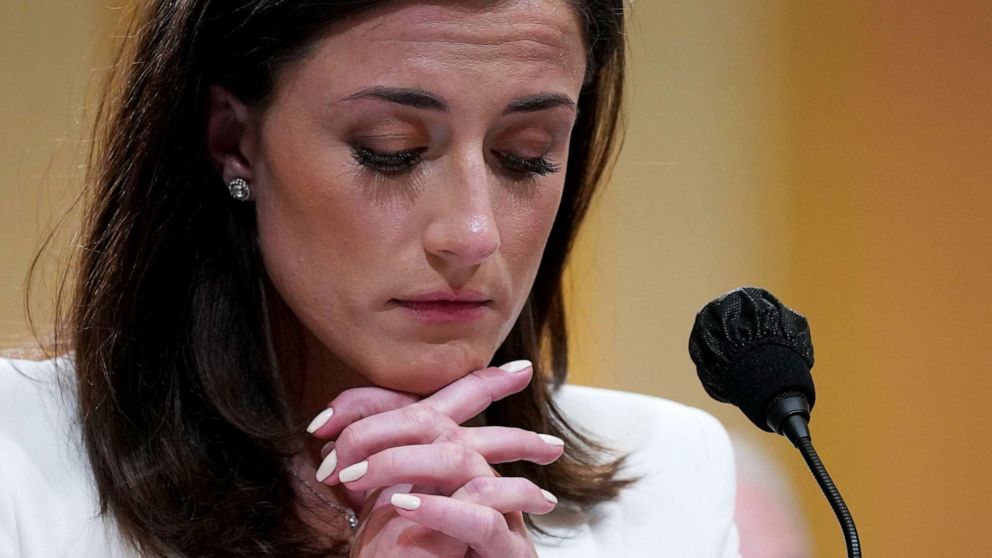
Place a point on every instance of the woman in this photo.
(313, 226)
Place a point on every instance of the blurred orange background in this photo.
(838, 154)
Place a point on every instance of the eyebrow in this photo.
(420, 99)
(541, 101)
(415, 98)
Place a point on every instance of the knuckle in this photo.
(480, 490)
(351, 437)
(458, 457)
(452, 435)
(421, 415)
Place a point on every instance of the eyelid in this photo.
(387, 130)
(388, 143)
(400, 162)
(531, 150)
(387, 135)
(537, 129)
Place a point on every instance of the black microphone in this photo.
(752, 351)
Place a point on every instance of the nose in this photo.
(462, 231)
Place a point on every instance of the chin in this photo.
(425, 370)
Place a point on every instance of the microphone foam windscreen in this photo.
(748, 347)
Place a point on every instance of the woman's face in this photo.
(407, 173)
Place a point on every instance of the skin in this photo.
(344, 243)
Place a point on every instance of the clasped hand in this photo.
(424, 483)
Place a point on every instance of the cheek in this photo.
(524, 234)
(314, 216)
(320, 243)
(297, 219)
(525, 228)
(323, 250)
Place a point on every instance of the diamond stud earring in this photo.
(239, 189)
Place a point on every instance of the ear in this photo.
(228, 128)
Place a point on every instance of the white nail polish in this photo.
(549, 496)
(326, 449)
(516, 366)
(320, 420)
(354, 472)
(552, 440)
(405, 501)
(327, 466)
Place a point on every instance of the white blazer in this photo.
(682, 508)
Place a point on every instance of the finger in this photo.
(483, 528)
(444, 466)
(496, 444)
(471, 394)
(502, 444)
(461, 400)
(353, 405)
(507, 494)
(415, 424)
(420, 423)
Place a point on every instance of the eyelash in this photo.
(396, 162)
(399, 162)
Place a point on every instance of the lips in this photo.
(445, 306)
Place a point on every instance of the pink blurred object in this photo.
(768, 515)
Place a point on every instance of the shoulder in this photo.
(619, 411)
(633, 421)
(682, 504)
(48, 505)
(31, 399)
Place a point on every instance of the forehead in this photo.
(522, 28)
(485, 41)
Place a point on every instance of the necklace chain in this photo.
(350, 514)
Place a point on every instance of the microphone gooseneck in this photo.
(752, 351)
(833, 496)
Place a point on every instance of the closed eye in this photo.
(526, 167)
(389, 163)
(399, 162)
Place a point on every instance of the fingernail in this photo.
(405, 501)
(326, 449)
(320, 420)
(552, 440)
(327, 466)
(354, 472)
(549, 496)
(516, 366)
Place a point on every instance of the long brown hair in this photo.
(185, 420)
